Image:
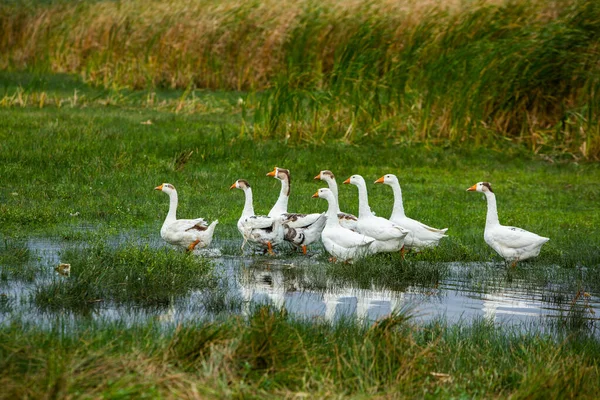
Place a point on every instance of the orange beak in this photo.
(347, 181)
(273, 173)
(380, 180)
(158, 187)
(316, 194)
(233, 186)
(318, 177)
(472, 188)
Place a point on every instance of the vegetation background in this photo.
(481, 72)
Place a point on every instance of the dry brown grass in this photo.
(175, 43)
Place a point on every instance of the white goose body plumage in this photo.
(389, 237)
(420, 235)
(511, 243)
(342, 243)
(186, 233)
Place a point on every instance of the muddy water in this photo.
(300, 285)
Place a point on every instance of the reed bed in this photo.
(435, 72)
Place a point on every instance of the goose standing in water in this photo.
(513, 244)
(187, 233)
(348, 221)
(262, 230)
(342, 243)
(388, 236)
(300, 229)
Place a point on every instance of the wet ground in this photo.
(301, 284)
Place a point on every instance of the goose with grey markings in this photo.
(346, 220)
(186, 233)
(261, 230)
(300, 229)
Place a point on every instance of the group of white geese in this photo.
(344, 236)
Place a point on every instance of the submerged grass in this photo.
(272, 355)
(128, 275)
(432, 72)
(17, 261)
(388, 271)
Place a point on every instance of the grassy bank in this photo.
(433, 72)
(85, 169)
(271, 355)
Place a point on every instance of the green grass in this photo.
(17, 262)
(271, 355)
(126, 275)
(96, 166)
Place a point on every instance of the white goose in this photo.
(342, 243)
(300, 229)
(258, 229)
(389, 236)
(420, 235)
(513, 244)
(346, 220)
(188, 233)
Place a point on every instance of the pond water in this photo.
(298, 283)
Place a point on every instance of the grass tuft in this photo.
(130, 275)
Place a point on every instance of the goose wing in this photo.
(346, 238)
(295, 220)
(513, 237)
(258, 222)
(189, 224)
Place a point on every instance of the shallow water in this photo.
(472, 290)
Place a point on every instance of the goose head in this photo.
(167, 188)
(240, 184)
(325, 175)
(484, 187)
(356, 180)
(323, 193)
(388, 179)
(280, 173)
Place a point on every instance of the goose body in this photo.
(260, 230)
(299, 229)
(420, 235)
(513, 244)
(346, 220)
(342, 243)
(186, 233)
(389, 237)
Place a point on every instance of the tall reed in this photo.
(411, 71)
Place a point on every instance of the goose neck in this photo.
(248, 205)
(281, 205)
(363, 201)
(492, 210)
(334, 190)
(332, 212)
(173, 201)
(398, 210)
